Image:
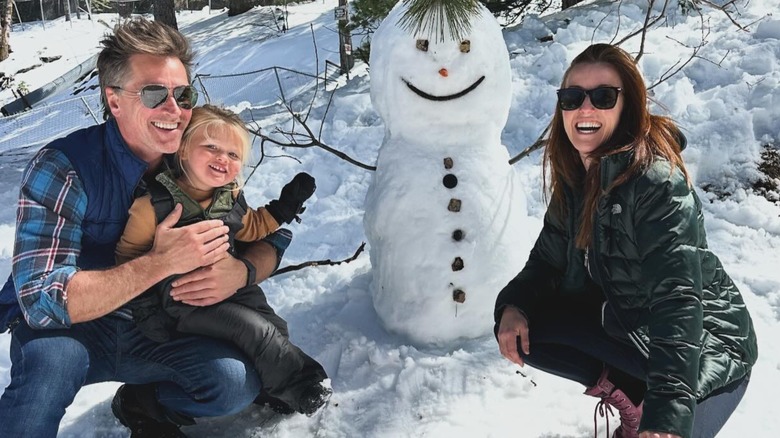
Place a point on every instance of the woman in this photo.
(620, 292)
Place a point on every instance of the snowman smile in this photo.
(459, 94)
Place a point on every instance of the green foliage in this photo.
(434, 17)
(366, 15)
(364, 19)
(688, 6)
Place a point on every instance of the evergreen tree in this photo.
(164, 12)
(236, 7)
(364, 20)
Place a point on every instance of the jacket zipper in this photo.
(597, 271)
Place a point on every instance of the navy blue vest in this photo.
(110, 174)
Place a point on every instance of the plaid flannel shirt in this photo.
(52, 204)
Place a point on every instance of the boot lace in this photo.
(603, 410)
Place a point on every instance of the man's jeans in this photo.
(200, 377)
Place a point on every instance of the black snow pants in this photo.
(248, 321)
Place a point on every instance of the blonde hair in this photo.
(214, 122)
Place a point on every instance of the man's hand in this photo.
(214, 283)
(210, 284)
(648, 434)
(513, 324)
(186, 248)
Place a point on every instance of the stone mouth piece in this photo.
(457, 95)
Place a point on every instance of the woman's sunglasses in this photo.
(604, 98)
(152, 96)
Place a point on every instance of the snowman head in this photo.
(425, 77)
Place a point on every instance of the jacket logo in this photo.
(616, 209)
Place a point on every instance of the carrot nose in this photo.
(444, 72)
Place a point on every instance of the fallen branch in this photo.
(327, 262)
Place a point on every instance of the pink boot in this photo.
(630, 415)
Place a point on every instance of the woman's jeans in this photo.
(571, 343)
(199, 377)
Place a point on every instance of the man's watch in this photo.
(251, 272)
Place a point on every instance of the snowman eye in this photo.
(465, 46)
(422, 45)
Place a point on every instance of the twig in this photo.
(293, 142)
(617, 28)
(327, 262)
(538, 144)
(524, 375)
(648, 24)
(671, 71)
(728, 14)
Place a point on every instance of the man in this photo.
(73, 205)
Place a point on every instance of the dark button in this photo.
(457, 264)
(454, 205)
(450, 180)
(448, 163)
(458, 235)
(459, 296)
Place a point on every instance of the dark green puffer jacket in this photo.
(670, 293)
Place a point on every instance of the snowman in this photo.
(445, 215)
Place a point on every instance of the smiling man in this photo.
(65, 301)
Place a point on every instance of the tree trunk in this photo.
(566, 4)
(5, 28)
(236, 7)
(164, 12)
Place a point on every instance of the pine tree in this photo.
(164, 12)
(435, 17)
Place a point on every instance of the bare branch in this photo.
(327, 262)
(294, 143)
(648, 23)
(728, 14)
(671, 71)
(327, 108)
(540, 142)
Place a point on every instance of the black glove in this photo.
(290, 202)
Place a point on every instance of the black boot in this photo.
(137, 408)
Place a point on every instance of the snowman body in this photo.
(445, 214)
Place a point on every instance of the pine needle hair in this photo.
(214, 121)
(138, 37)
(647, 137)
(435, 17)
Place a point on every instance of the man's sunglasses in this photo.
(152, 96)
(604, 98)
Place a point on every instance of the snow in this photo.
(726, 99)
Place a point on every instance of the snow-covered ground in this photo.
(727, 100)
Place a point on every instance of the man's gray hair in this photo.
(138, 37)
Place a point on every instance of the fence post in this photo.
(84, 101)
(278, 81)
(199, 77)
(345, 39)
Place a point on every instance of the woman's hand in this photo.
(649, 434)
(513, 324)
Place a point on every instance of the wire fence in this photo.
(251, 94)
